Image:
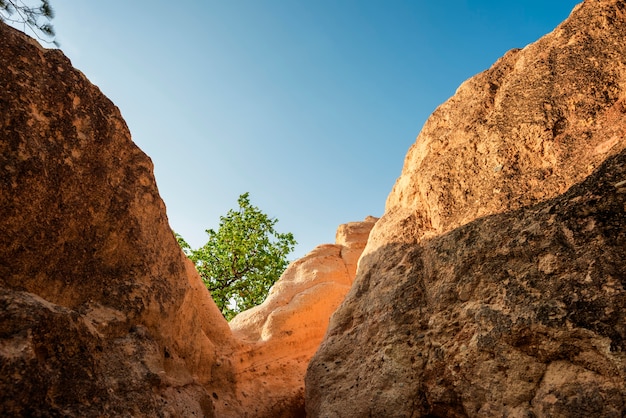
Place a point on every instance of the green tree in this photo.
(242, 259)
(37, 17)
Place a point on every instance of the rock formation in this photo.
(494, 283)
(281, 335)
(100, 313)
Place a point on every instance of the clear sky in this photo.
(308, 105)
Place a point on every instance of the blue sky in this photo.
(310, 106)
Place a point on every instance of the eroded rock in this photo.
(470, 324)
(539, 120)
(100, 313)
(494, 283)
(281, 335)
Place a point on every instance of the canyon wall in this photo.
(493, 285)
(100, 312)
(281, 335)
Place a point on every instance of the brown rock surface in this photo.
(281, 335)
(100, 313)
(494, 284)
(539, 120)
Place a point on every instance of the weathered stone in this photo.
(539, 120)
(100, 313)
(281, 335)
(494, 284)
(469, 324)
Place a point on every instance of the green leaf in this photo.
(242, 259)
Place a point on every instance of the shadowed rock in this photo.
(487, 288)
(515, 314)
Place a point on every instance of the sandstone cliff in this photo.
(494, 283)
(281, 335)
(492, 286)
(100, 312)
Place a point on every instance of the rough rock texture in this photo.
(494, 284)
(100, 313)
(539, 120)
(518, 314)
(281, 335)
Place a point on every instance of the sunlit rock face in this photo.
(493, 285)
(100, 313)
(280, 336)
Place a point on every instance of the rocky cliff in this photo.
(492, 286)
(494, 283)
(281, 335)
(100, 312)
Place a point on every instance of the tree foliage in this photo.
(37, 17)
(242, 259)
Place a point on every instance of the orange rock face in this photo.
(494, 285)
(281, 335)
(100, 313)
(539, 120)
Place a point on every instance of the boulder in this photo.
(494, 284)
